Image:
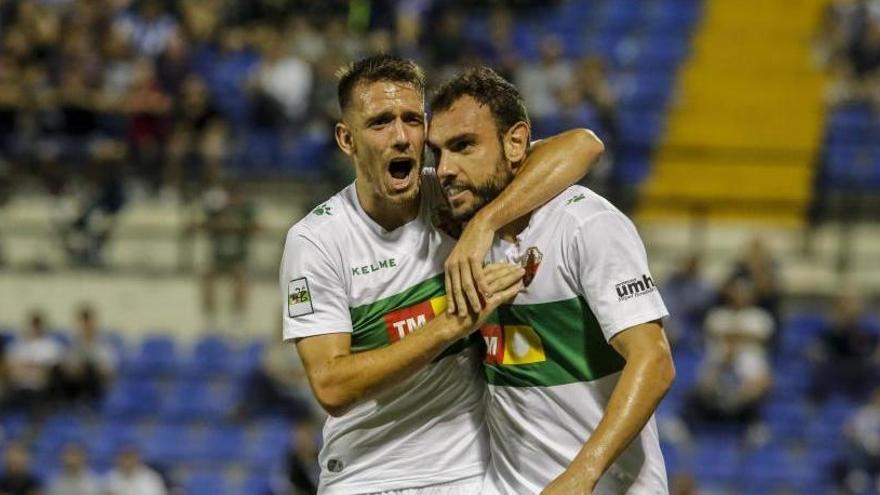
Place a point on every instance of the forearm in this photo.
(345, 380)
(642, 385)
(551, 166)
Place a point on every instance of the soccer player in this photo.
(363, 279)
(578, 362)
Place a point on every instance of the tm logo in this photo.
(634, 287)
(323, 210)
(575, 199)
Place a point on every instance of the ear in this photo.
(516, 143)
(344, 139)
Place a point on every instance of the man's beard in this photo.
(486, 192)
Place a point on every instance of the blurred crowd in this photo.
(848, 47)
(44, 372)
(171, 91)
(734, 331)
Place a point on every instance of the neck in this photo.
(385, 213)
(514, 228)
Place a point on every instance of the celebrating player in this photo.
(363, 283)
(578, 362)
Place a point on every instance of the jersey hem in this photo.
(479, 471)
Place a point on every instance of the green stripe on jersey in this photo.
(383, 322)
(548, 344)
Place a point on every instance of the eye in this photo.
(415, 120)
(461, 146)
(379, 122)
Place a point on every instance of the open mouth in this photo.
(401, 173)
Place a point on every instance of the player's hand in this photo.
(466, 282)
(569, 483)
(504, 280)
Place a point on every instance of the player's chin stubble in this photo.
(484, 193)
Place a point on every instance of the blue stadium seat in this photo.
(255, 484)
(196, 400)
(132, 398)
(224, 444)
(269, 444)
(157, 357)
(206, 483)
(211, 355)
(171, 443)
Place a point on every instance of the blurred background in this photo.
(154, 152)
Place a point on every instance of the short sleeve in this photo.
(315, 301)
(611, 268)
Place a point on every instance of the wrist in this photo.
(488, 218)
(454, 327)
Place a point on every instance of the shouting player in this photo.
(578, 362)
(363, 283)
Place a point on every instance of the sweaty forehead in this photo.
(465, 115)
(380, 96)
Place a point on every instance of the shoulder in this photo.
(580, 208)
(324, 223)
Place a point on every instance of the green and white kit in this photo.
(548, 363)
(342, 272)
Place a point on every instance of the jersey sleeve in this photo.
(611, 269)
(312, 290)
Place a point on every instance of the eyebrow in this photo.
(390, 116)
(459, 137)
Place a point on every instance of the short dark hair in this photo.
(377, 68)
(488, 88)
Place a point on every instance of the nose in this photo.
(401, 141)
(446, 169)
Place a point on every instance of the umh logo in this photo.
(634, 287)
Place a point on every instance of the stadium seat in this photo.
(157, 357)
(206, 483)
(223, 444)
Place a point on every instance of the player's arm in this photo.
(644, 381)
(340, 379)
(552, 165)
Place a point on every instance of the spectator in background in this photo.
(88, 365)
(284, 79)
(75, 477)
(844, 357)
(149, 109)
(861, 467)
(591, 83)
(132, 477)
(30, 359)
(735, 375)
(757, 266)
(89, 231)
(17, 477)
(741, 317)
(149, 28)
(230, 224)
(277, 386)
(688, 296)
(543, 82)
(299, 471)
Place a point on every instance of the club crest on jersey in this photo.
(530, 263)
(299, 299)
(404, 321)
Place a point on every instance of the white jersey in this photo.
(342, 272)
(550, 368)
